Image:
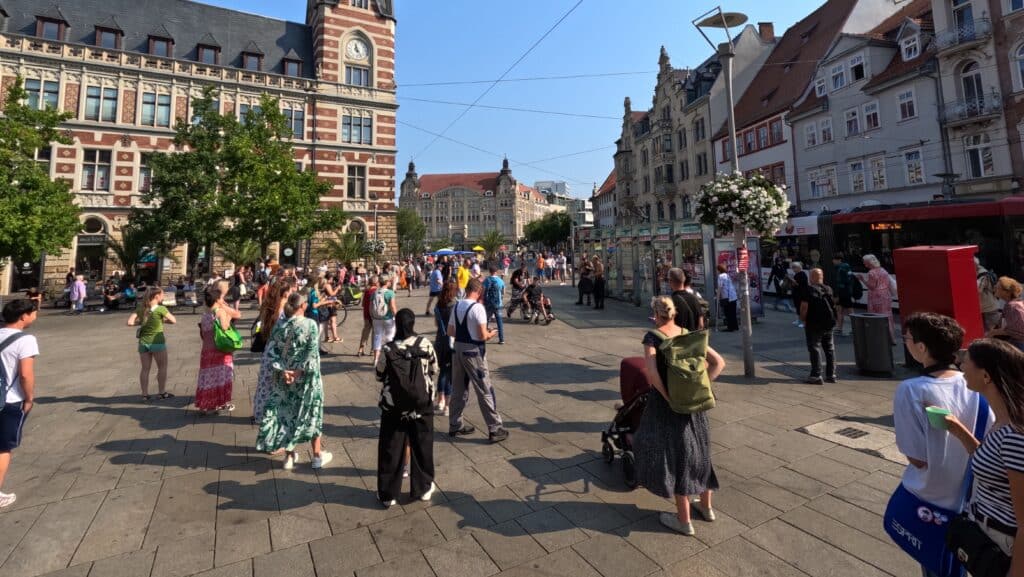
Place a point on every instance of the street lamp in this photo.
(715, 18)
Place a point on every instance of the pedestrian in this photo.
(18, 352)
(673, 450)
(151, 316)
(383, 307)
(995, 369)
(494, 291)
(462, 276)
(505, 263)
(216, 368)
(936, 467)
(560, 267)
(294, 413)
(727, 299)
(79, 292)
(881, 288)
(599, 282)
(468, 326)
(1011, 327)
(443, 345)
(844, 290)
(410, 276)
(987, 280)
(688, 308)
(271, 315)
(372, 284)
(780, 280)
(818, 315)
(585, 286)
(436, 282)
(800, 283)
(328, 291)
(406, 369)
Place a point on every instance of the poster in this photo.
(726, 255)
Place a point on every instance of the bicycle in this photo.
(351, 297)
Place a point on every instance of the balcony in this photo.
(668, 157)
(964, 36)
(973, 110)
(664, 123)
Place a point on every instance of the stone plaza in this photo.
(110, 486)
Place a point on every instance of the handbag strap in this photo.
(980, 425)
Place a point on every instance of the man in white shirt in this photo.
(468, 326)
(18, 351)
(727, 299)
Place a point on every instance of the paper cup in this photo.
(937, 417)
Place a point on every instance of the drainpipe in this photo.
(947, 153)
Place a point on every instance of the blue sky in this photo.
(474, 40)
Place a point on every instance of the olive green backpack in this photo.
(688, 385)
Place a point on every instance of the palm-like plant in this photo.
(239, 251)
(127, 251)
(346, 247)
(492, 243)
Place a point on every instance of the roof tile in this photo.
(607, 186)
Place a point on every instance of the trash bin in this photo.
(872, 344)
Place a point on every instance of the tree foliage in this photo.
(239, 251)
(129, 250)
(492, 243)
(552, 229)
(344, 248)
(37, 214)
(411, 232)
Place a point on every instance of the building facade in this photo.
(1008, 33)
(128, 71)
(603, 201)
(867, 130)
(462, 208)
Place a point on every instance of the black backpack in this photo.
(406, 388)
(821, 311)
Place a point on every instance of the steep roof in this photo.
(920, 12)
(792, 63)
(637, 116)
(812, 103)
(185, 21)
(475, 181)
(607, 186)
(534, 193)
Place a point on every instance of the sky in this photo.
(463, 42)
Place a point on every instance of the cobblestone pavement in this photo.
(108, 486)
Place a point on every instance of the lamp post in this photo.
(726, 51)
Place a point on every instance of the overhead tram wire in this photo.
(512, 109)
(527, 79)
(500, 78)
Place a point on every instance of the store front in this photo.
(25, 274)
(91, 249)
(689, 246)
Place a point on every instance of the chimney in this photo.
(767, 31)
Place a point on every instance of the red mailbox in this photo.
(941, 279)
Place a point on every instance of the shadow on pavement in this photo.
(554, 374)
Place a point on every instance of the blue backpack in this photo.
(492, 294)
(5, 379)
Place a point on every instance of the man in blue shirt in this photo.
(494, 290)
(436, 280)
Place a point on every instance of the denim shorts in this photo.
(153, 348)
(12, 420)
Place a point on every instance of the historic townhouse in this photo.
(974, 92)
(462, 208)
(604, 202)
(127, 70)
(866, 131)
(1008, 32)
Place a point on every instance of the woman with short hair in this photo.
(1011, 327)
(880, 285)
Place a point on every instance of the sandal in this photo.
(146, 398)
(228, 407)
(166, 395)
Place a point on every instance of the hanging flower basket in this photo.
(734, 201)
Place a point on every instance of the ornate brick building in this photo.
(128, 69)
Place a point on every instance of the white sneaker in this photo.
(405, 471)
(389, 504)
(672, 522)
(430, 492)
(8, 499)
(289, 461)
(324, 458)
(706, 512)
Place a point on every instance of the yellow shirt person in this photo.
(462, 276)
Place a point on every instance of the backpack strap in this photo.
(3, 370)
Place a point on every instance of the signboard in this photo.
(743, 257)
(689, 230)
(726, 255)
(799, 226)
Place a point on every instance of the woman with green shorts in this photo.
(151, 316)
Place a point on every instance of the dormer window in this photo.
(50, 29)
(819, 87)
(107, 38)
(910, 47)
(253, 62)
(208, 54)
(161, 47)
(857, 68)
(292, 68)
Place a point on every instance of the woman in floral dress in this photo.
(294, 413)
(216, 369)
(879, 285)
(271, 314)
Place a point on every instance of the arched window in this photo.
(970, 84)
(357, 228)
(1018, 66)
(672, 211)
(661, 211)
(93, 225)
(686, 207)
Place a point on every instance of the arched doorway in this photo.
(91, 251)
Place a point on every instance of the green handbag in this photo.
(226, 341)
(688, 385)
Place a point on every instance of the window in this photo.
(908, 106)
(101, 104)
(811, 135)
(852, 122)
(357, 75)
(208, 54)
(253, 62)
(156, 109)
(702, 164)
(762, 137)
(979, 155)
(819, 87)
(666, 143)
(838, 76)
(698, 130)
(871, 117)
(42, 93)
(726, 150)
(244, 110)
(670, 173)
(857, 68)
(914, 165)
(50, 29)
(684, 170)
(672, 211)
(296, 119)
(364, 4)
(145, 174)
(160, 47)
(292, 68)
(748, 138)
(877, 165)
(643, 157)
(682, 139)
(198, 119)
(826, 130)
(661, 211)
(357, 130)
(357, 182)
(910, 47)
(823, 182)
(776, 131)
(1019, 65)
(778, 174)
(110, 39)
(96, 170)
(857, 183)
(1016, 5)
(647, 184)
(43, 157)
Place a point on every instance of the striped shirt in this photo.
(1001, 451)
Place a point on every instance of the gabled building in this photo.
(604, 202)
(866, 130)
(764, 140)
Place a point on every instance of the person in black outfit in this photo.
(688, 307)
(780, 279)
(817, 311)
(801, 283)
(599, 282)
(585, 286)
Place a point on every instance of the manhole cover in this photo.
(852, 433)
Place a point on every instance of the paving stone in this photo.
(51, 542)
(73, 571)
(406, 534)
(294, 562)
(597, 515)
(692, 567)
(120, 525)
(14, 525)
(802, 485)
(541, 493)
(86, 483)
(127, 565)
(747, 462)
(722, 529)
(793, 417)
(810, 555)
(240, 569)
(613, 556)
(847, 513)
(411, 565)
(462, 557)
(459, 517)
(742, 507)
(770, 494)
(508, 544)
(858, 459)
(187, 507)
(502, 504)
(356, 508)
(559, 564)
(791, 445)
(340, 555)
(298, 526)
(665, 547)
(736, 435)
(826, 470)
(184, 557)
(238, 542)
(863, 496)
(551, 529)
(738, 557)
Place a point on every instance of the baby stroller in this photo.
(633, 388)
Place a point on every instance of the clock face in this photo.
(356, 49)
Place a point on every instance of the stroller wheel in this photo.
(629, 469)
(608, 452)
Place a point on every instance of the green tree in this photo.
(37, 214)
(441, 243)
(239, 252)
(551, 230)
(492, 243)
(345, 247)
(127, 251)
(411, 232)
